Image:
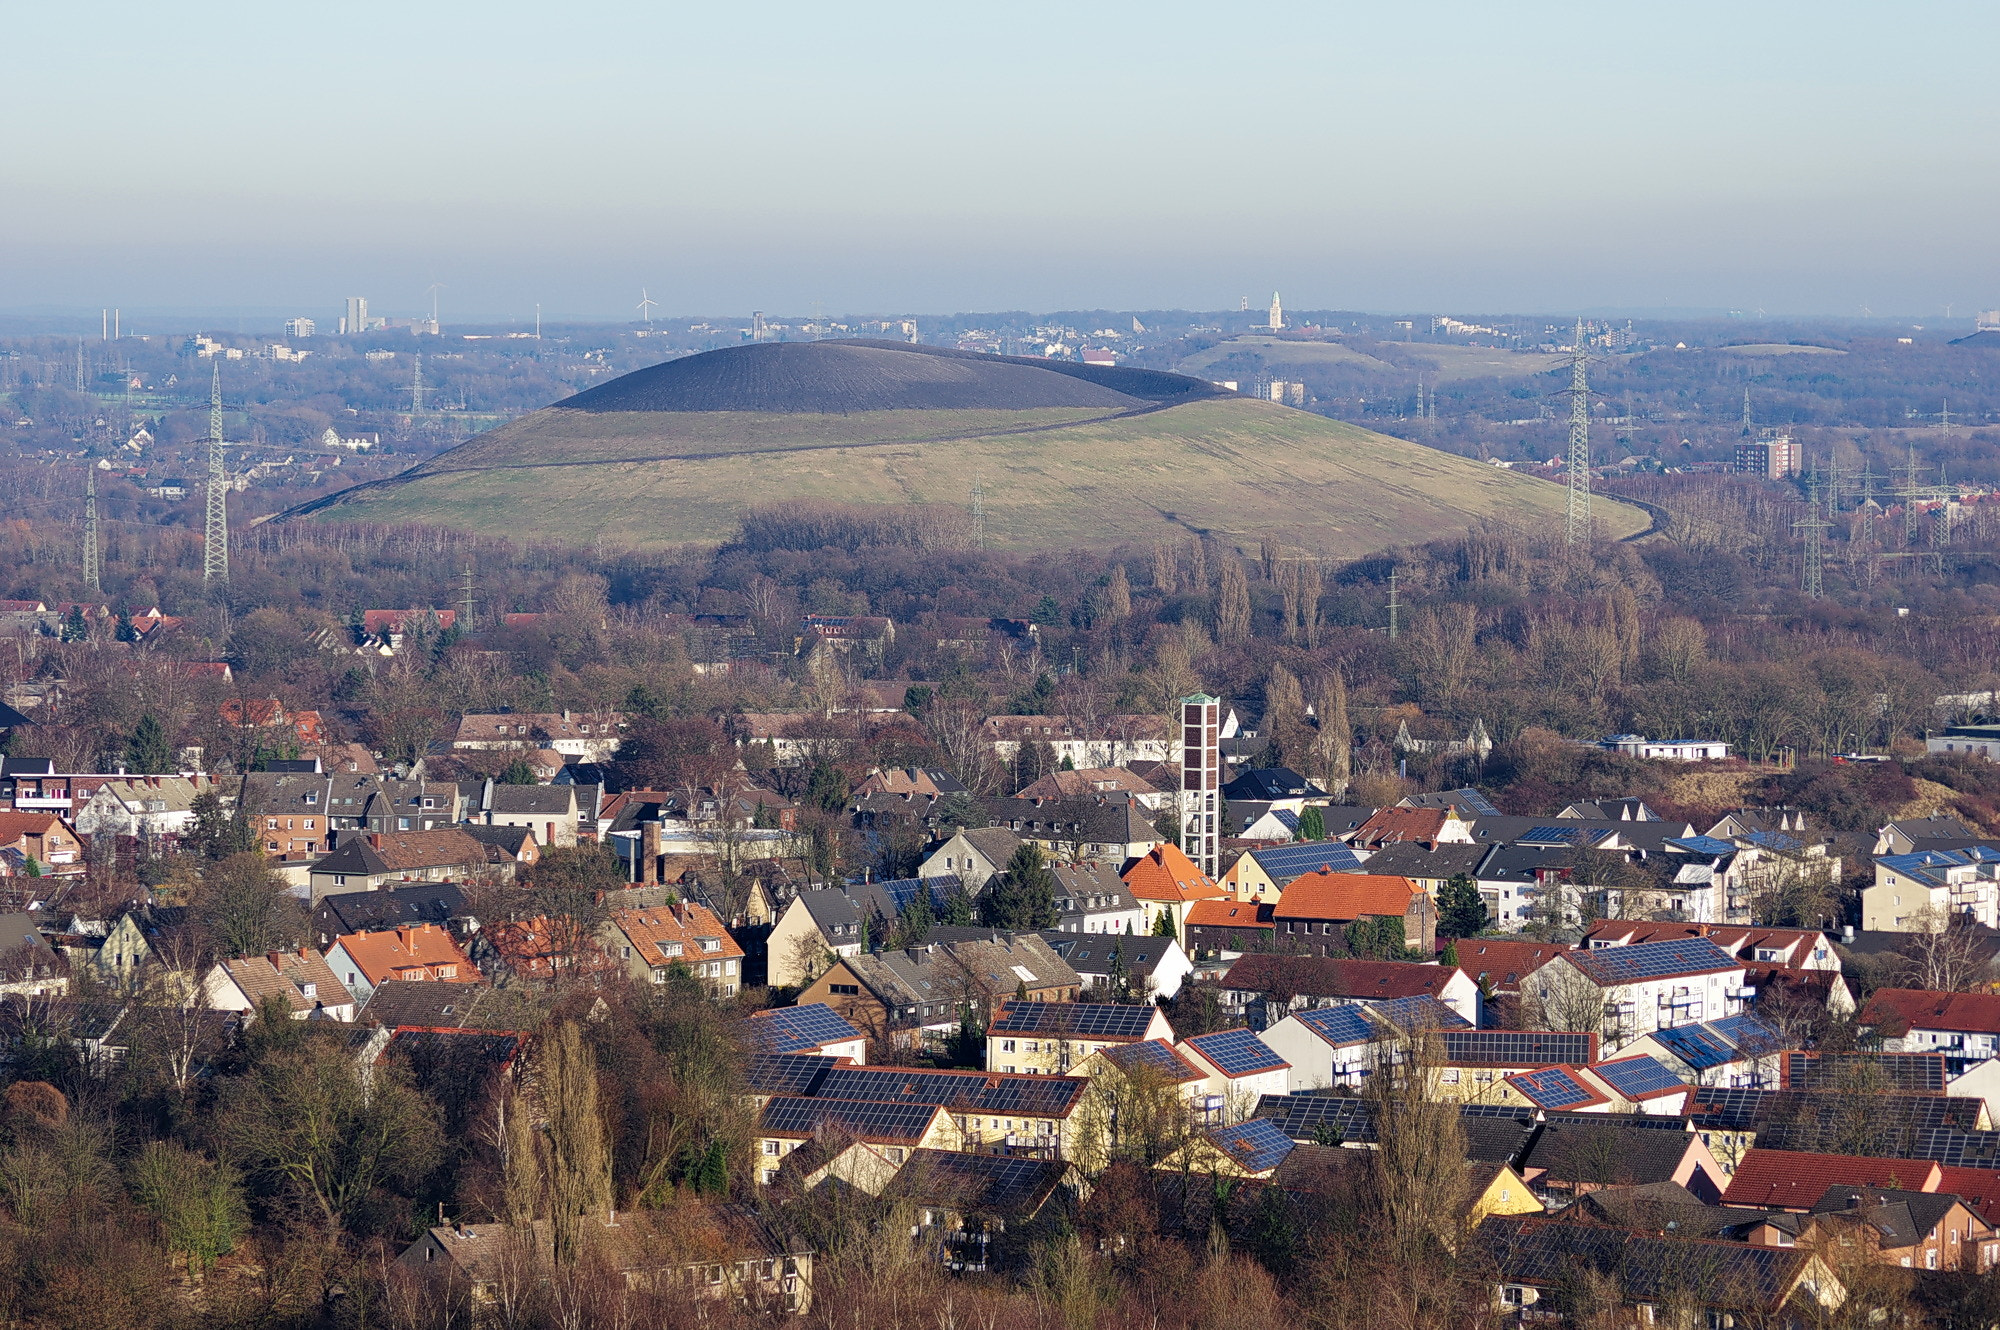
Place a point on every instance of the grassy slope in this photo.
(1247, 470)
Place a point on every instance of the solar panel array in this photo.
(1078, 1020)
(1920, 1072)
(1472, 801)
(1697, 1045)
(785, 1073)
(1958, 1149)
(1302, 857)
(1257, 1144)
(1154, 1054)
(1702, 845)
(1422, 1012)
(1516, 1048)
(1549, 836)
(974, 1183)
(1636, 1077)
(1341, 1026)
(1834, 1122)
(870, 1120)
(1752, 1035)
(1554, 1087)
(794, 1029)
(966, 1092)
(903, 890)
(1651, 960)
(1319, 1117)
(1237, 1052)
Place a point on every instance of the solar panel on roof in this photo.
(1516, 1048)
(974, 1092)
(1422, 1012)
(1303, 857)
(1153, 1053)
(1702, 845)
(1553, 1087)
(1319, 1117)
(1635, 1077)
(793, 1029)
(1552, 835)
(1697, 1045)
(1237, 1052)
(1340, 1026)
(1083, 1020)
(793, 1115)
(785, 1073)
(1255, 1143)
(1651, 960)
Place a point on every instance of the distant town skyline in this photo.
(1829, 160)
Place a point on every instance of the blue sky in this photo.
(1422, 156)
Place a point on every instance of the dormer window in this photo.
(312, 799)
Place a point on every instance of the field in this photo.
(1444, 363)
(1244, 470)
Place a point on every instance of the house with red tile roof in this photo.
(1217, 927)
(1498, 965)
(650, 942)
(1795, 1180)
(1914, 1020)
(1424, 826)
(46, 838)
(1167, 884)
(361, 961)
(1313, 912)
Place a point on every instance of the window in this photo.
(845, 990)
(311, 799)
(1006, 1045)
(770, 1147)
(309, 824)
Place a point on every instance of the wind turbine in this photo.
(645, 307)
(432, 291)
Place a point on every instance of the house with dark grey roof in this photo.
(980, 1208)
(972, 855)
(1093, 898)
(1576, 1153)
(441, 903)
(921, 993)
(552, 812)
(374, 860)
(429, 1005)
(1144, 965)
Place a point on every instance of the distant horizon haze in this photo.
(1832, 159)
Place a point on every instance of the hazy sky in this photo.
(1418, 156)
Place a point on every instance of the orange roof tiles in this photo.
(423, 952)
(1795, 1180)
(1323, 895)
(1229, 914)
(1390, 825)
(664, 934)
(1164, 873)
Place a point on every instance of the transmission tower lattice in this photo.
(91, 570)
(465, 601)
(1577, 525)
(1395, 607)
(417, 389)
(1911, 493)
(1810, 570)
(215, 536)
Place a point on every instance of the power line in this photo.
(215, 535)
(1577, 524)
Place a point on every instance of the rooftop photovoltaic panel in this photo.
(1651, 960)
(1516, 1048)
(1959, 1149)
(1078, 1020)
(1514, 1111)
(903, 890)
(1697, 1046)
(1323, 1118)
(1554, 1087)
(1256, 1143)
(1422, 1012)
(1472, 801)
(1550, 835)
(1702, 845)
(1923, 1073)
(1636, 1077)
(974, 1092)
(1752, 1035)
(1155, 1054)
(791, 1029)
(1237, 1052)
(1303, 857)
(1341, 1026)
(785, 1073)
(868, 1120)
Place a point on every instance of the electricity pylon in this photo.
(91, 572)
(215, 534)
(1577, 520)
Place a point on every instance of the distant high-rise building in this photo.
(299, 327)
(356, 321)
(1775, 458)
(1277, 313)
(757, 325)
(1989, 320)
(1201, 781)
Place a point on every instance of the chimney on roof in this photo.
(375, 839)
(649, 852)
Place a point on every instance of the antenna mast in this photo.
(417, 389)
(1577, 525)
(465, 600)
(91, 571)
(1394, 606)
(215, 540)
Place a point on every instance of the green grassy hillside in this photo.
(1053, 477)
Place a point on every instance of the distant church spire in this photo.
(1277, 312)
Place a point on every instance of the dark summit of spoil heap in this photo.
(844, 376)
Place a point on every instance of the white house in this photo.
(147, 806)
(1916, 893)
(1628, 992)
(1324, 1047)
(1667, 750)
(1239, 1067)
(1736, 1052)
(301, 979)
